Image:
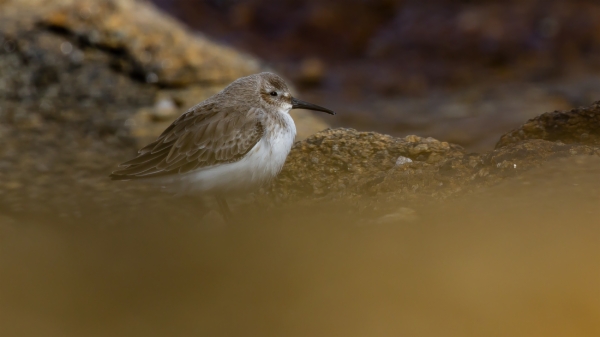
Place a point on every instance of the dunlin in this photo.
(234, 141)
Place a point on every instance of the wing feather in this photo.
(201, 138)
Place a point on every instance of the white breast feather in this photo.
(258, 166)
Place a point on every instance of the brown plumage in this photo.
(220, 130)
(202, 137)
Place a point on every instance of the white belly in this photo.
(258, 166)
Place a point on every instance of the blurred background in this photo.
(461, 71)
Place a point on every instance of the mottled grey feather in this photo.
(203, 137)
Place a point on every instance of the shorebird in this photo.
(232, 142)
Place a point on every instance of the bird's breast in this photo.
(278, 140)
(261, 164)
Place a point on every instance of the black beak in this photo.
(298, 104)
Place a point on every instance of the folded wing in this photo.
(203, 137)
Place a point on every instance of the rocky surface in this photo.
(350, 164)
(371, 167)
(343, 160)
(580, 125)
(139, 40)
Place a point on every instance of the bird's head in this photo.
(275, 93)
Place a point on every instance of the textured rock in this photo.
(93, 62)
(339, 160)
(350, 164)
(580, 125)
(141, 40)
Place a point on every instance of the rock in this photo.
(343, 160)
(344, 163)
(143, 41)
(403, 160)
(577, 126)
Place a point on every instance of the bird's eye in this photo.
(273, 93)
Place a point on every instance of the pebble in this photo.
(403, 160)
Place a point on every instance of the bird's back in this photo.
(210, 134)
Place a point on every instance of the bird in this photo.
(234, 141)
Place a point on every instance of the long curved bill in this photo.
(298, 104)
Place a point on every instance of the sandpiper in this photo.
(234, 141)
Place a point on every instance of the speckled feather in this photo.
(203, 137)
